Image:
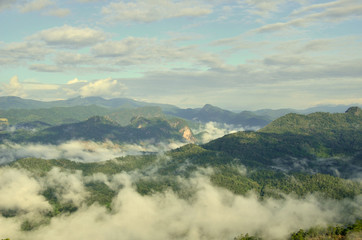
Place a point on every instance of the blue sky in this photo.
(246, 54)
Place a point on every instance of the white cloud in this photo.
(154, 10)
(13, 88)
(107, 88)
(336, 11)
(35, 5)
(70, 37)
(69, 187)
(214, 130)
(76, 80)
(213, 213)
(18, 191)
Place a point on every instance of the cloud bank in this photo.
(212, 213)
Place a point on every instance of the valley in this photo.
(122, 157)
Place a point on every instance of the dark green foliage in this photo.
(231, 179)
(199, 156)
(151, 185)
(276, 184)
(27, 226)
(58, 207)
(8, 213)
(300, 235)
(331, 232)
(300, 145)
(129, 163)
(302, 184)
(317, 122)
(246, 237)
(100, 192)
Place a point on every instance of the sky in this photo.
(239, 55)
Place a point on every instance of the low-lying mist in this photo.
(89, 151)
(213, 130)
(210, 213)
(80, 151)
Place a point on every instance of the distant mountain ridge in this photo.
(11, 102)
(215, 114)
(103, 128)
(208, 113)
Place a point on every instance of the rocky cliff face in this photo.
(187, 134)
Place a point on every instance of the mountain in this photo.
(18, 110)
(10, 102)
(100, 129)
(62, 115)
(326, 123)
(215, 114)
(53, 115)
(321, 142)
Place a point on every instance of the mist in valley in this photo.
(208, 213)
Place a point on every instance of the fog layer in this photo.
(212, 213)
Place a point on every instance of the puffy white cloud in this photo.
(154, 10)
(19, 191)
(13, 88)
(76, 80)
(70, 37)
(69, 187)
(107, 88)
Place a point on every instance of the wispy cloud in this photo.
(337, 11)
(154, 10)
(35, 5)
